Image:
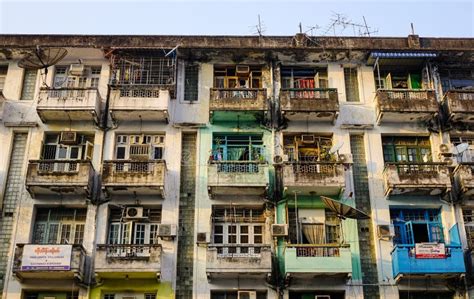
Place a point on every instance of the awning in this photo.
(391, 58)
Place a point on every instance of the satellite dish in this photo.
(336, 147)
(461, 148)
(343, 211)
(42, 58)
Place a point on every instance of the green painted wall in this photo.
(349, 227)
(163, 290)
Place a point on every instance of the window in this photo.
(240, 76)
(352, 85)
(235, 227)
(468, 155)
(46, 294)
(89, 78)
(62, 155)
(29, 84)
(406, 149)
(191, 73)
(140, 147)
(3, 75)
(294, 77)
(457, 79)
(416, 226)
(109, 296)
(59, 226)
(307, 151)
(313, 226)
(234, 294)
(237, 147)
(140, 231)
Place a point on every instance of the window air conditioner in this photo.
(134, 212)
(202, 238)
(76, 69)
(385, 231)
(279, 230)
(68, 137)
(306, 138)
(166, 230)
(246, 295)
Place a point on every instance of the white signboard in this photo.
(46, 257)
(430, 251)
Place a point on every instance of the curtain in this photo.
(313, 232)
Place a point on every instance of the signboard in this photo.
(46, 257)
(430, 251)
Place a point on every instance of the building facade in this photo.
(236, 167)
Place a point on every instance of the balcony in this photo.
(44, 262)
(244, 104)
(241, 178)
(400, 105)
(127, 260)
(308, 261)
(127, 177)
(66, 104)
(464, 180)
(314, 178)
(223, 261)
(139, 103)
(316, 104)
(404, 178)
(405, 263)
(459, 105)
(60, 177)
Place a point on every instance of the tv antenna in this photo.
(340, 22)
(260, 27)
(42, 59)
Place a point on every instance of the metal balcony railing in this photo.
(417, 168)
(140, 91)
(239, 250)
(323, 168)
(128, 166)
(233, 93)
(310, 93)
(238, 166)
(317, 250)
(128, 251)
(405, 94)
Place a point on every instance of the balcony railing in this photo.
(230, 260)
(32, 262)
(459, 105)
(138, 261)
(322, 104)
(69, 104)
(404, 262)
(238, 99)
(310, 259)
(319, 178)
(129, 176)
(411, 178)
(67, 177)
(238, 177)
(139, 102)
(404, 105)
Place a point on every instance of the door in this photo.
(409, 238)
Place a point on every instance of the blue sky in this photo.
(227, 17)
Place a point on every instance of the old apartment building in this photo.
(297, 167)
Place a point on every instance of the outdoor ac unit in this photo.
(76, 69)
(202, 238)
(450, 161)
(385, 231)
(134, 212)
(279, 230)
(445, 149)
(167, 230)
(306, 138)
(246, 295)
(68, 138)
(322, 297)
(345, 158)
(242, 69)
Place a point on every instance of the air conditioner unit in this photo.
(385, 231)
(202, 238)
(166, 230)
(445, 149)
(306, 138)
(246, 295)
(322, 297)
(345, 158)
(68, 137)
(450, 161)
(279, 230)
(133, 213)
(242, 69)
(76, 69)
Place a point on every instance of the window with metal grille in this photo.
(237, 147)
(109, 296)
(304, 78)
(191, 79)
(139, 147)
(351, 84)
(89, 78)
(240, 76)
(298, 149)
(150, 296)
(29, 84)
(59, 226)
(3, 75)
(327, 229)
(468, 217)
